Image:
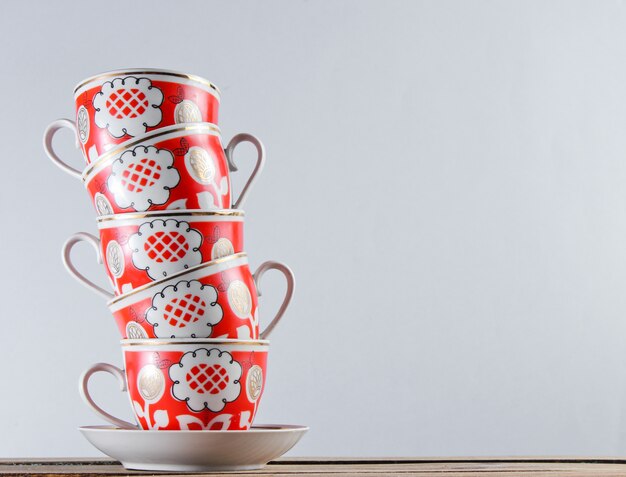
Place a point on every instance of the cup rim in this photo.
(148, 71)
(137, 140)
(191, 341)
(171, 213)
(176, 275)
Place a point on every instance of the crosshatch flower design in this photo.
(206, 379)
(143, 176)
(187, 309)
(128, 106)
(162, 247)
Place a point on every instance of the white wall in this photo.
(447, 180)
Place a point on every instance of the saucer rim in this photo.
(255, 429)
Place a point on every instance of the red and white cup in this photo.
(177, 167)
(187, 385)
(217, 299)
(113, 107)
(138, 249)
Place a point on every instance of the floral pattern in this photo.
(239, 299)
(187, 112)
(151, 386)
(103, 206)
(115, 258)
(187, 309)
(82, 124)
(134, 331)
(150, 383)
(254, 383)
(128, 106)
(162, 247)
(206, 379)
(142, 176)
(221, 422)
(222, 248)
(200, 165)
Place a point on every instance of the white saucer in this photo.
(194, 451)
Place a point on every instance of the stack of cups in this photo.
(171, 241)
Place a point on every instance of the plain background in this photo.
(447, 180)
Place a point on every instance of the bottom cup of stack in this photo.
(187, 384)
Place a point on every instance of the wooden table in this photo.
(325, 467)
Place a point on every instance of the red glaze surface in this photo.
(138, 249)
(195, 387)
(182, 167)
(115, 108)
(213, 300)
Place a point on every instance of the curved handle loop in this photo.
(49, 133)
(260, 162)
(83, 388)
(67, 261)
(291, 285)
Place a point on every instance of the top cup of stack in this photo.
(151, 142)
(113, 107)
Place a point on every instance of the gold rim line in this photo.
(146, 71)
(164, 213)
(155, 283)
(192, 341)
(151, 135)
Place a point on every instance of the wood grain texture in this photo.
(324, 467)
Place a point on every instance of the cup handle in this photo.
(49, 133)
(83, 388)
(67, 261)
(291, 284)
(260, 162)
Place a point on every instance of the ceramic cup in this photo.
(177, 167)
(187, 385)
(140, 248)
(217, 299)
(113, 107)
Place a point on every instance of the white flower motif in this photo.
(115, 258)
(221, 422)
(239, 299)
(187, 112)
(254, 383)
(103, 206)
(187, 309)
(82, 124)
(150, 383)
(134, 331)
(206, 379)
(128, 105)
(142, 177)
(222, 248)
(200, 165)
(162, 247)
